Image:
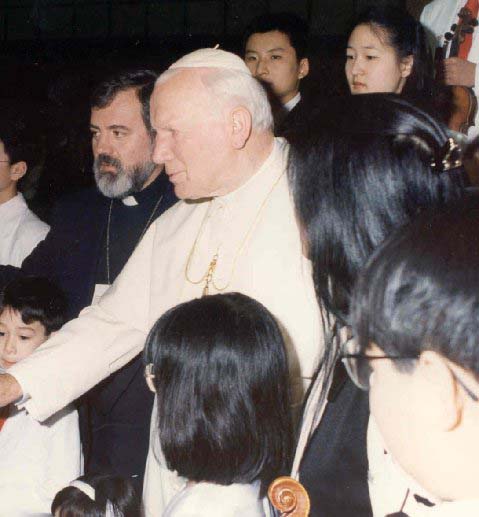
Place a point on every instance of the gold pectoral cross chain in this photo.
(209, 274)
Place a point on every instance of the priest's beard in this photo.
(124, 181)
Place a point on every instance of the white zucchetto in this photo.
(211, 58)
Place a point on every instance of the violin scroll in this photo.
(289, 497)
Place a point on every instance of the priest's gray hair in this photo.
(231, 88)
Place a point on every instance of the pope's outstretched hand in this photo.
(10, 390)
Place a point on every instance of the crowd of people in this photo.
(261, 284)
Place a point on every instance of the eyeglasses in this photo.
(149, 376)
(358, 366)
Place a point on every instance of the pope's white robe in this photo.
(254, 232)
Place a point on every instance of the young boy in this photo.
(20, 229)
(37, 459)
(416, 321)
(275, 52)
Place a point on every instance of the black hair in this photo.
(18, 141)
(420, 291)
(359, 169)
(221, 379)
(36, 299)
(408, 38)
(120, 492)
(142, 81)
(287, 23)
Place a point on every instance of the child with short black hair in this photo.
(415, 315)
(37, 458)
(219, 370)
(99, 495)
(20, 229)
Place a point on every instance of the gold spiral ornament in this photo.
(289, 497)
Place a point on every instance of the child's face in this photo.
(5, 177)
(17, 338)
(408, 409)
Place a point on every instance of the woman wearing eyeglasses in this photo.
(366, 165)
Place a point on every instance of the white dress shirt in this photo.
(210, 500)
(37, 460)
(20, 231)
(292, 102)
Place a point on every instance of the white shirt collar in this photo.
(292, 102)
(129, 201)
(13, 207)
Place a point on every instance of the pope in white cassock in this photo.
(235, 230)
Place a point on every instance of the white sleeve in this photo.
(91, 347)
(64, 452)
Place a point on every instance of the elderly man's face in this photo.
(191, 136)
(121, 147)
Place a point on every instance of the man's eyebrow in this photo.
(113, 126)
(118, 126)
(276, 49)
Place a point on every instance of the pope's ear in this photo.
(18, 170)
(241, 125)
(444, 395)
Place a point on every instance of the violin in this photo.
(463, 99)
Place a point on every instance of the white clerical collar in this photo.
(129, 201)
(292, 102)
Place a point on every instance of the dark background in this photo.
(54, 51)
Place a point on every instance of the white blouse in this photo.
(211, 500)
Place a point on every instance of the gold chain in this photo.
(208, 277)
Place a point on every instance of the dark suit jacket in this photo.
(115, 419)
(69, 253)
(334, 468)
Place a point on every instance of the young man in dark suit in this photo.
(275, 51)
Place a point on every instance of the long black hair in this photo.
(363, 166)
(221, 378)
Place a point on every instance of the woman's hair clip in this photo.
(448, 157)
